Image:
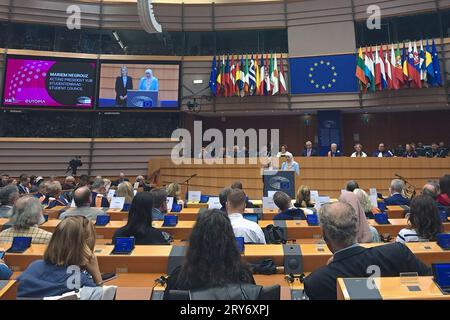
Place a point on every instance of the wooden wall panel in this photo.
(327, 175)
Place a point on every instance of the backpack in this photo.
(274, 235)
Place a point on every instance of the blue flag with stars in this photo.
(324, 74)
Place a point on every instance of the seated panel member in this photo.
(334, 152)
(309, 151)
(396, 198)
(435, 152)
(249, 230)
(290, 164)
(283, 151)
(339, 226)
(99, 199)
(123, 83)
(409, 152)
(382, 152)
(287, 210)
(358, 152)
(149, 82)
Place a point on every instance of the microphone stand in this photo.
(187, 184)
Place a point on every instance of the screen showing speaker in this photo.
(139, 86)
(43, 82)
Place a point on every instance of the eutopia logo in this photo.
(147, 16)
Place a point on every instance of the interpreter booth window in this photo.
(416, 27)
(31, 37)
(85, 40)
(3, 35)
(238, 42)
(273, 41)
(199, 43)
(371, 37)
(446, 23)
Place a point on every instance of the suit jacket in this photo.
(313, 153)
(396, 200)
(88, 212)
(386, 154)
(22, 189)
(121, 90)
(290, 214)
(392, 259)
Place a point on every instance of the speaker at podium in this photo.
(142, 99)
(277, 180)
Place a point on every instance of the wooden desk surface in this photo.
(8, 290)
(396, 288)
(395, 212)
(154, 259)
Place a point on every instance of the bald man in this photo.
(83, 198)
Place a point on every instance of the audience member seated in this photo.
(5, 271)
(309, 151)
(71, 249)
(423, 220)
(41, 194)
(139, 224)
(399, 151)
(434, 152)
(35, 182)
(120, 180)
(4, 180)
(249, 230)
(8, 196)
(382, 152)
(334, 152)
(352, 185)
(444, 185)
(174, 190)
(69, 183)
(283, 151)
(26, 216)
(443, 149)
(159, 204)
(213, 259)
(141, 180)
(339, 223)
(396, 198)
(303, 198)
(358, 152)
(363, 232)
(83, 199)
(431, 189)
(24, 184)
(409, 152)
(364, 201)
(420, 150)
(54, 194)
(99, 199)
(290, 164)
(287, 210)
(238, 185)
(223, 195)
(125, 189)
(84, 181)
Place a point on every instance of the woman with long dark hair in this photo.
(213, 259)
(423, 219)
(139, 223)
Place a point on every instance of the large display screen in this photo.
(36, 82)
(139, 86)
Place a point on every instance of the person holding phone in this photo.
(69, 262)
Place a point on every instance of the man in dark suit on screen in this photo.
(339, 224)
(123, 84)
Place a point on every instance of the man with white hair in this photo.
(99, 199)
(290, 164)
(396, 191)
(339, 223)
(334, 152)
(26, 216)
(149, 82)
(54, 194)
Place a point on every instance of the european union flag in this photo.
(324, 74)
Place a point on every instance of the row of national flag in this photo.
(247, 76)
(409, 65)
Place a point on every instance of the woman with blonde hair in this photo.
(303, 198)
(174, 190)
(364, 200)
(71, 247)
(125, 190)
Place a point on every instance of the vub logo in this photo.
(147, 16)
